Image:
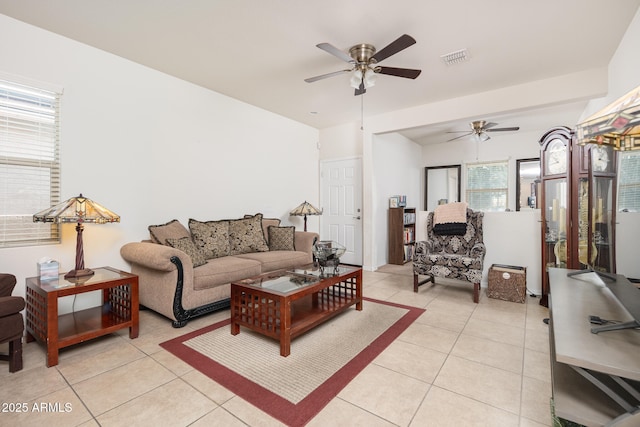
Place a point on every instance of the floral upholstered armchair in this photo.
(459, 255)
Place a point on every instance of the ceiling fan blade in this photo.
(487, 125)
(399, 72)
(360, 90)
(325, 76)
(511, 129)
(329, 48)
(401, 43)
(461, 136)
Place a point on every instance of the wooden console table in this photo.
(595, 377)
(119, 309)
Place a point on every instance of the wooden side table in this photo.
(119, 309)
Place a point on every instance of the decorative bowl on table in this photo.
(328, 253)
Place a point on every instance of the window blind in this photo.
(487, 186)
(629, 181)
(29, 163)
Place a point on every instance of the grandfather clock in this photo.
(578, 196)
(595, 214)
(555, 202)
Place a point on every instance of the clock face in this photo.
(601, 158)
(556, 157)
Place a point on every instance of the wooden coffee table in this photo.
(285, 304)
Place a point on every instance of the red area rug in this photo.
(323, 361)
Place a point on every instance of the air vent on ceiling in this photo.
(455, 57)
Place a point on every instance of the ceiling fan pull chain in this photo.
(362, 113)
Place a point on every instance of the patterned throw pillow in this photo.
(282, 238)
(211, 237)
(266, 223)
(171, 230)
(246, 236)
(186, 245)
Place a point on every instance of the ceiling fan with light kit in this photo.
(364, 58)
(479, 129)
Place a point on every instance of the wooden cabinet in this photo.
(402, 234)
(577, 205)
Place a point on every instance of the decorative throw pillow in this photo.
(186, 245)
(266, 223)
(246, 236)
(171, 230)
(211, 237)
(282, 238)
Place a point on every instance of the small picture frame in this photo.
(394, 201)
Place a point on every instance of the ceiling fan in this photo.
(364, 58)
(479, 128)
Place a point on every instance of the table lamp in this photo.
(79, 210)
(305, 209)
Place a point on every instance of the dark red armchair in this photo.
(11, 322)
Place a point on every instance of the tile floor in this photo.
(459, 364)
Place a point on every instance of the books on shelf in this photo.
(409, 235)
(408, 253)
(409, 217)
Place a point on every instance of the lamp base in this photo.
(79, 273)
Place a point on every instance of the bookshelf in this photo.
(402, 234)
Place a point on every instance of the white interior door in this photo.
(341, 199)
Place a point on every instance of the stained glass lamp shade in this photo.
(79, 210)
(305, 209)
(617, 124)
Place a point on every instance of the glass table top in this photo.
(285, 282)
(102, 274)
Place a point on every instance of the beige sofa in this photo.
(184, 273)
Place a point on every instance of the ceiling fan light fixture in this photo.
(356, 79)
(363, 58)
(370, 78)
(455, 57)
(482, 137)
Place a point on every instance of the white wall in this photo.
(398, 172)
(339, 142)
(153, 148)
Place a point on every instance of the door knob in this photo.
(356, 217)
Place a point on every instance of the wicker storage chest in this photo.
(507, 282)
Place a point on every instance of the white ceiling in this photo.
(260, 52)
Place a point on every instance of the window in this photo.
(629, 181)
(29, 163)
(487, 186)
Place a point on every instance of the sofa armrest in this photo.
(7, 283)
(423, 247)
(154, 256)
(304, 241)
(11, 305)
(478, 251)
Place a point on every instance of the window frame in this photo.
(623, 187)
(505, 189)
(29, 160)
